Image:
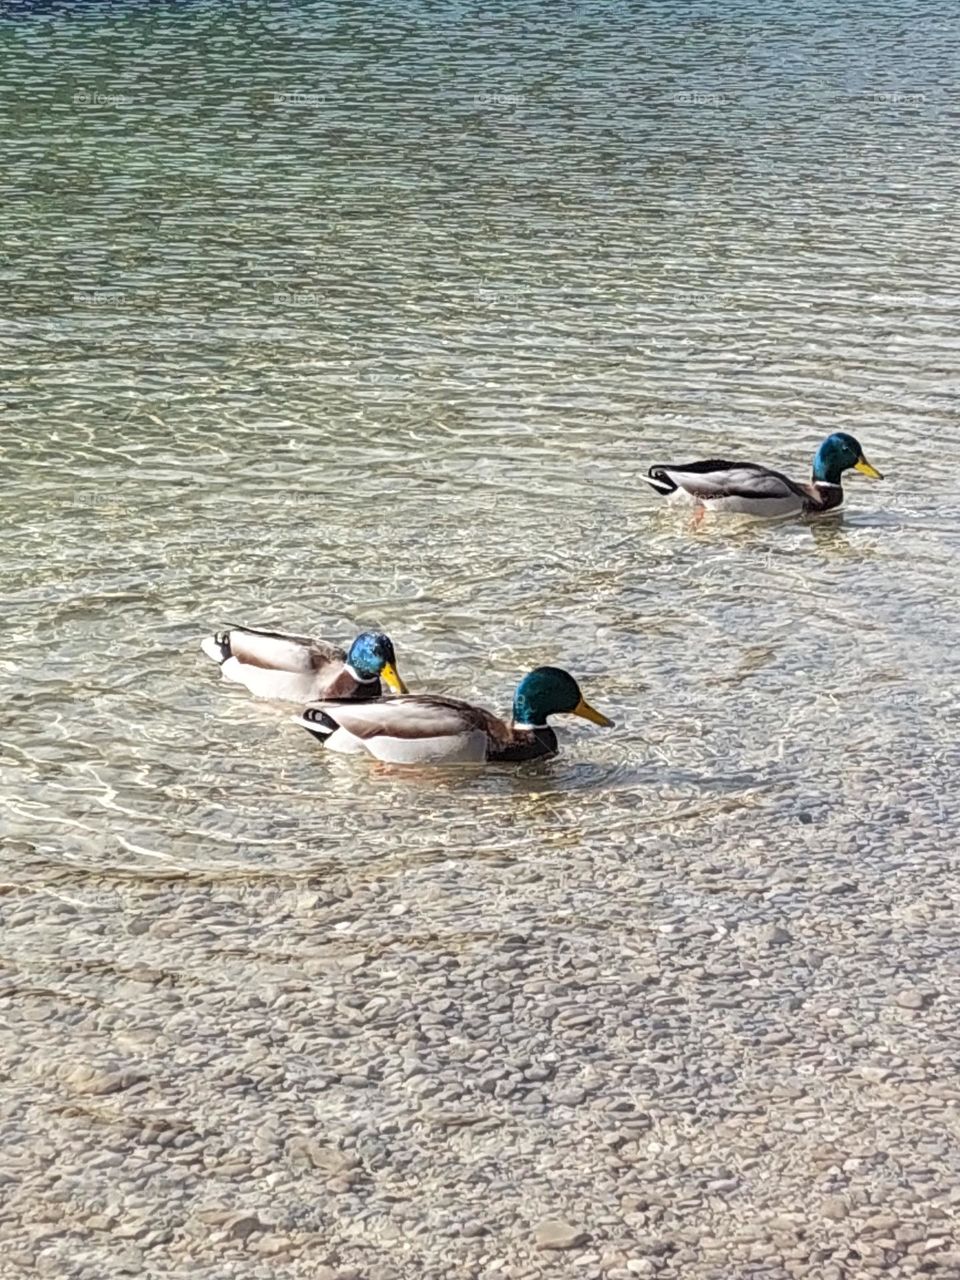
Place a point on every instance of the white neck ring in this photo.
(352, 671)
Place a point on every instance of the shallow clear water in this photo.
(397, 353)
(328, 318)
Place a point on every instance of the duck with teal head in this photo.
(424, 729)
(272, 664)
(746, 488)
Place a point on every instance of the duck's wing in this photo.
(272, 664)
(274, 650)
(730, 486)
(410, 729)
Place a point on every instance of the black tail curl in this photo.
(660, 478)
(321, 725)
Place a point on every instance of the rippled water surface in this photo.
(328, 316)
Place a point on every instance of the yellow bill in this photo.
(586, 712)
(392, 679)
(867, 469)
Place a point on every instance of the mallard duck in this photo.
(423, 729)
(298, 669)
(750, 489)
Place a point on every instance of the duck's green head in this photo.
(372, 655)
(837, 454)
(548, 691)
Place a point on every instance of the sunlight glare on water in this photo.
(276, 360)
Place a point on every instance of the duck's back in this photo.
(289, 668)
(417, 729)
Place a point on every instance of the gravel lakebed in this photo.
(665, 1054)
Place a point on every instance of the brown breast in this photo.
(344, 685)
(822, 497)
